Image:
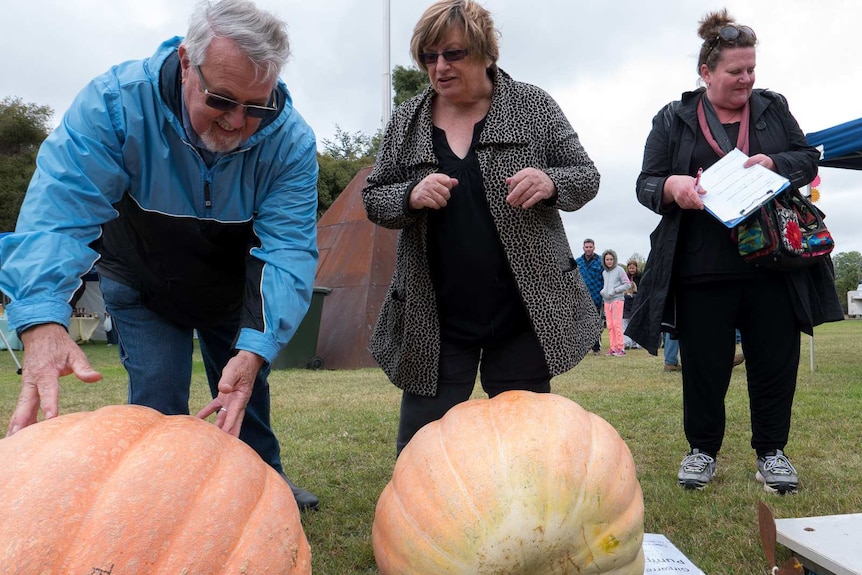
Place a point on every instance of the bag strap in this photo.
(714, 132)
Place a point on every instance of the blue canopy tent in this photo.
(842, 145)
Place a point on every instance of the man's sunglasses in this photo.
(225, 104)
(730, 34)
(429, 58)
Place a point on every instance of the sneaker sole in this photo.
(780, 488)
(689, 485)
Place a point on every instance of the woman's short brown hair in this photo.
(443, 16)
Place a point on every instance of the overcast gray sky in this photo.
(610, 64)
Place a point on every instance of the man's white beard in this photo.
(219, 141)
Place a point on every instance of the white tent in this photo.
(91, 304)
(90, 308)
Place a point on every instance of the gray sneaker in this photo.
(696, 470)
(777, 473)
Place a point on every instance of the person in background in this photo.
(110, 333)
(698, 287)
(615, 285)
(590, 266)
(191, 179)
(634, 274)
(671, 353)
(738, 358)
(474, 171)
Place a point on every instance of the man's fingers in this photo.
(49, 354)
(26, 409)
(233, 421)
(211, 407)
(228, 419)
(82, 369)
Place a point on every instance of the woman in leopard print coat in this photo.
(529, 164)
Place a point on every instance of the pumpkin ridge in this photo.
(238, 560)
(420, 532)
(461, 484)
(193, 505)
(158, 423)
(42, 456)
(116, 416)
(554, 416)
(580, 476)
(462, 488)
(265, 500)
(572, 479)
(603, 531)
(589, 478)
(240, 542)
(39, 455)
(499, 447)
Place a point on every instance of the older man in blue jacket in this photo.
(190, 181)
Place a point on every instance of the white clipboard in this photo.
(734, 192)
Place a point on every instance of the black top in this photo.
(705, 250)
(477, 298)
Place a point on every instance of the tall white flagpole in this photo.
(387, 80)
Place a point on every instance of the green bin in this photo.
(301, 350)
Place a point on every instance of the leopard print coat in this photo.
(524, 127)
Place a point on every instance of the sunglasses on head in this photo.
(429, 58)
(730, 34)
(225, 104)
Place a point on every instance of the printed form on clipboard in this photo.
(733, 192)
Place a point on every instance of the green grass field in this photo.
(337, 430)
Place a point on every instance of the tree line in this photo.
(348, 153)
(23, 127)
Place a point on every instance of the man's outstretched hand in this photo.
(49, 354)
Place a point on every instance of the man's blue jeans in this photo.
(157, 355)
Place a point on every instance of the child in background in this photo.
(628, 303)
(616, 284)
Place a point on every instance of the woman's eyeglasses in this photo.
(429, 58)
(225, 104)
(730, 34)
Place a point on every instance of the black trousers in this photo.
(707, 316)
(518, 363)
(597, 345)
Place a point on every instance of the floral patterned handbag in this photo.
(787, 233)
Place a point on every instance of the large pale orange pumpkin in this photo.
(127, 491)
(525, 483)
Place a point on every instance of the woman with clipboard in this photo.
(698, 287)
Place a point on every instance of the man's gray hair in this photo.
(258, 34)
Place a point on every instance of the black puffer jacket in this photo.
(668, 151)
